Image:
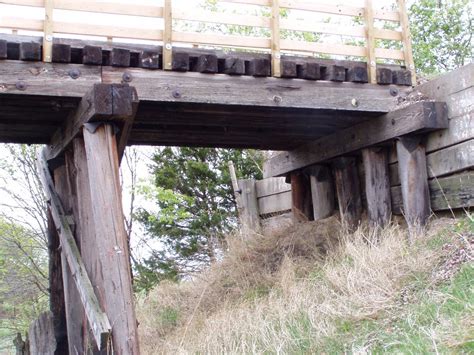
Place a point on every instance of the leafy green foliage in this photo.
(442, 34)
(195, 208)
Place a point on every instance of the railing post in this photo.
(167, 35)
(406, 39)
(48, 31)
(276, 55)
(369, 28)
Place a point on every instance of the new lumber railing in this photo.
(309, 28)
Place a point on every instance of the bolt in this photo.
(277, 99)
(168, 46)
(277, 55)
(127, 77)
(355, 102)
(393, 91)
(49, 38)
(176, 94)
(21, 85)
(74, 73)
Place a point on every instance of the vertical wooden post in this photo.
(57, 304)
(48, 31)
(406, 38)
(111, 237)
(348, 191)
(74, 308)
(322, 191)
(369, 26)
(167, 35)
(301, 197)
(276, 55)
(377, 185)
(250, 217)
(414, 179)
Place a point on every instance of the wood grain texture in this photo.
(419, 117)
(41, 335)
(106, 197)
(302, 208)
(275, 203)
(271, 186)
(249, 214)
(322, 191)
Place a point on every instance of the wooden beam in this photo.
(276, 55)
(48, 31)
(377, 185)
(301, 197)
(106, 200)
(97, 319)
(414, 180)
(418, 117)
(250, 216)
(322, 191)
(370, 37)
(406, 39)
(112, 103)
(167, 35)
(348, 191)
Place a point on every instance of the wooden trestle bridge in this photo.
(88, 99)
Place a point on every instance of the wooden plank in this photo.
(377, 186)
(450, 83)
(243, 90)
(414, 181)
(48, 31)
(275, 203)
(406, 39)
(97, 319)
(167, 35)
(348, 191)
(41, 335)
(301, 197)
(271, 186)
(370, 38)
(419, 117)
(451, 192)
(102, 163)
(322, 191)
(275, 45)
(250, 218)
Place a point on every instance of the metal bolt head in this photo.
(176, 94)
(277, 99)
(49, 38)
(277, 55)
(168, 46)
(127, 77)
(21, 85)
(393, 91)
(355, 103)
(74, 73)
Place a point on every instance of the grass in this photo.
(314, 289)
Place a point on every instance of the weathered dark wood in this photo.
(92, 55)
(322, 191)
(384, 76)
(249, 214)
(309, 71)
(301, 197)
(102, 163)
(377, 186)
(259, 67)
(150, 60)
(61, 53)
(414, 181)
(234, 66)
(334, 73)
(207, 63)
(288, 69)
(401, 77)
(21, 347)
(41, 335)
(348, 191)
(57, 304)
(120, 57)
(180, 61)
(3, 49)
(30, 51)
(358, 74)
(419, 117)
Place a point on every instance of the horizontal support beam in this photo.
(98, 320)
(416, 118)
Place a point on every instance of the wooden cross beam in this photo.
(416, 118)
(112, 103)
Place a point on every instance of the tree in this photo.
(442, 34)
(196, 209)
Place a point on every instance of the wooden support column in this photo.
(57, 303)
(250, 217)
(377, 185)
(111, 237)
(167, 35)
(301, 197)
(348, 191)
(322, 191)
(48, 31)
(414, 180)
(369, 27)
(406, 38)
(276, 54)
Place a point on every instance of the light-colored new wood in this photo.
(48, 31)
(222, 40)
(370, 38)
(168, 36)
(322, 191)
(97, 319)
(275, 46)
(192, 14)
(106, 196)
(406, 38)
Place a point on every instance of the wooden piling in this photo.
(414, 181)
(348, 191)
(322, 191)
(250, 217)
(377, 185)
(301, 197)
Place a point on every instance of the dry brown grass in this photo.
(285, 293)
